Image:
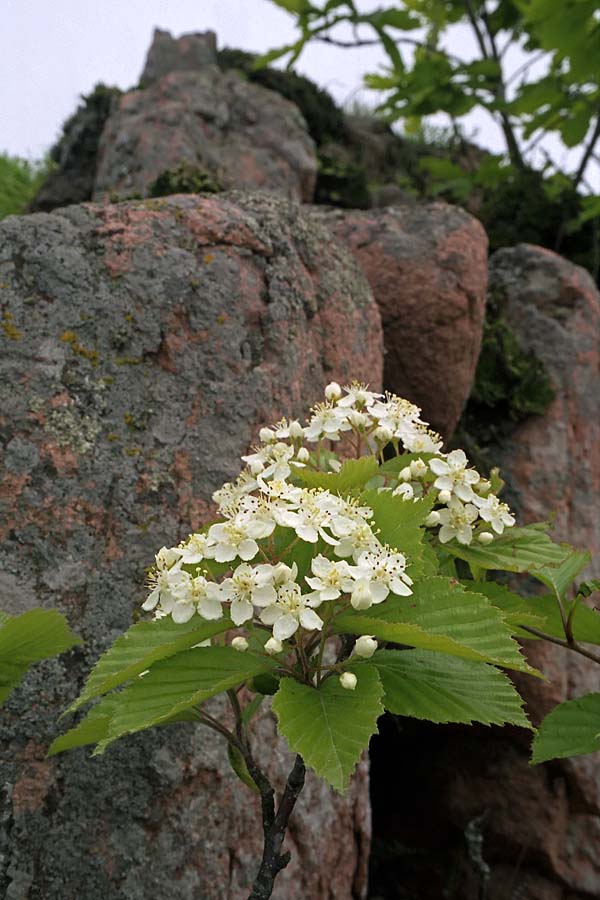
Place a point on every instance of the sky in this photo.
(52, 51)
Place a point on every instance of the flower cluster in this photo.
(244, 565)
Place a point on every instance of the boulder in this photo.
(188, 111)
(143, 345)
(427, 267)
(539, 826)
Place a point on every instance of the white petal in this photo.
(446, 534)
(285, 627)
(248, 549)
(182, 612)
(210, 608)
(264, 595)
(241, 611)
(270, 614)
(310, 620)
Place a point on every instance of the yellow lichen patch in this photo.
(9, 328)
(129, 360)
(70, 338)
(208, 258)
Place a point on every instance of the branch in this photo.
(589, 150)
(577, 648)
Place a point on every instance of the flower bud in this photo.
(239, 643)
(405, 474)
(418, 468)
(335, 465)
(445, 496)
(484, 486)
(383, 435)
(333, 391)
(486, 537)
(266, 435)
(303, 455)
(296, 431)
(365, 646)
(405, 491)
(348, 681)
(361, 595)
(432, 519)
(273, 646)
(357, 419)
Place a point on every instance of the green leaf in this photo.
(440, 688)
(179, 683)
(559, 578)
(526, 549)
(439, 615)
(516, 610)
(238, 764)
(397, 463)
(27, 639)
(572, 728)
(355, 473)
(330, 726)
(140, 647)
(400, 524)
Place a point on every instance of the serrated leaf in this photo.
(329, 726)
(559, 578)
(527, 549)
(355, 473)
(572, 728)
(399, 523)
(439, 615)
(140, 647)
(516, 610)
(178, 683)
(441, 688)
(27, 639)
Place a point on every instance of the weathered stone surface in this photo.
(241, 133)
(427, 266)
(142, 346)
(168, 54)
(541, 824)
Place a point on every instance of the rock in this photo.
(168, 54)
(541, 824)
(427, 267)
(143, 344)
(240, 133)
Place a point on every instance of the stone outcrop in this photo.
(427, 267)
(188, 110)
(540, 825)
(142, 346)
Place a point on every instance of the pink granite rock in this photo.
(143, 345)
(427, 267)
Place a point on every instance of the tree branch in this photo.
(589, 150)
(577, 648)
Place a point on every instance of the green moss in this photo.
(341, 182)
(9, 328)
(184, 179)
(20, 180)
(510, 385)
(70, 338)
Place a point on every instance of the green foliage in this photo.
(330, 727)
(400, 525)
(572, 728)
(184, 179)
(28, 638)
(441, 688)
(527, 549)
(354, 473)
(20, 181)
(439, 615)
(341, 182)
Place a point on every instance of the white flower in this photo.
(194, 549)
(257, 520)
(354, 539)
(292, 610)
(485, 537)
(228, 540)
(453, 475)
(273, 646)
(358, 396)
(418, 468)
(326, 422)
(313, 515)
(457, 522)
(167, 586)
(418, 439)
(384, 570)
(285, 430)
(332, 579)
(272, 460)
(239, 643)
(365, 646)
(231, 493)
(197, 595)
(432, 519)
(266, 435)
(362, 594)
(492, 510)
(406, 491)
(348, 681)
(246, 587)
(445, 496)
(405, 474)
(395, 413)
(383, 434)
(303, 455)
(333, 391)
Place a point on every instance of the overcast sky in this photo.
(52, 51)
